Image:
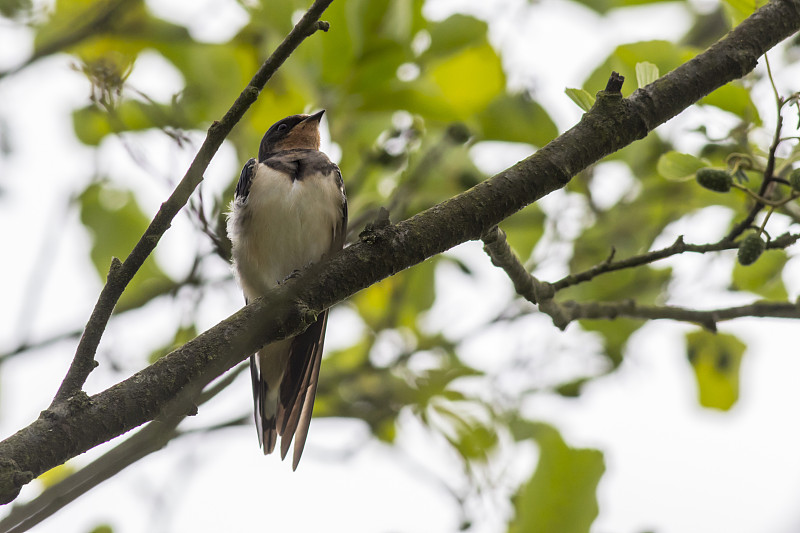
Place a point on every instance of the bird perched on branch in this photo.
(289, 210)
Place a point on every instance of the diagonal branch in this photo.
(121, 273)
(614, 122)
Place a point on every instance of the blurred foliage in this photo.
(407, 98)
(560, 496)
(115, 223)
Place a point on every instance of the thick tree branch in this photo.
(381, 252)
(121, 273)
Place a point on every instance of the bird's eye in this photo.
(282, 128)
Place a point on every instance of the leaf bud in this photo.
(750, 249)
(714, 179)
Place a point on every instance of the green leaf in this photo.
(764, 277)
(646, 73)
(739, 10)
(735, 99)
(677, 166)
(469, 80)
(115, 223)
(517, 118)
(454, 33)
(583, 98)
(398, 300)
(560, 496)
(716, 359)
(92, 124)
(615, 334)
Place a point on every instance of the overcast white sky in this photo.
(671, 466)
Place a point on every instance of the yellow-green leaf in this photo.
(646, 73)
(469, 80)
(398, 300)
(56, 475)
(715, 358)
(583, 98)
(677, 166)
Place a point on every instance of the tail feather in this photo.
(263, 412)
(307, 407)
(287, 411)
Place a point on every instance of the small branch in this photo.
(35, 345)
(121, 273)
(542, 292)
(676, 248)
(764, 201)
(526, 285)
(615, 82)
(707, 319)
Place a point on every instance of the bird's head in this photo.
(296, 131)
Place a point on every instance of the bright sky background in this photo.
(671, 466)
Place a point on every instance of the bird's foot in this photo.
(295, 273)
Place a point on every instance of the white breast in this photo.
(284, 226)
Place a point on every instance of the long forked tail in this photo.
(284, 377)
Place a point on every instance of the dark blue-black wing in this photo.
(245, 180)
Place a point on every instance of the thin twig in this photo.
(676, 248)
(707, 319)
(769, 170)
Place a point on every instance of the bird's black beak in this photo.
(316, 117)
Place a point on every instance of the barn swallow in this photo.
(289, 210)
